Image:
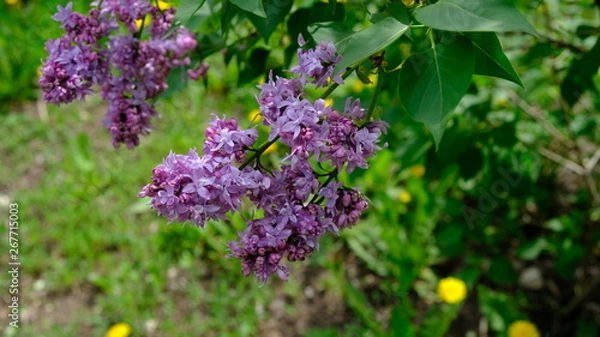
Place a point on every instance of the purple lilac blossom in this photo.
(200, 188)
(318, 63)
(201, 71)
(70, 71)
(131, 68)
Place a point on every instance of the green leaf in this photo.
(329, 31)
(276, 11)
(185, 11)
(580, 75)
(362, 44)
(432, 84)
(532, 249)
(490, 60)
(301, 19)
(502, 271)
(228, 12)
(252, 6)
(474, 16)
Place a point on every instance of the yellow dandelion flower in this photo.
(119, 330)
(404, 197)
(329, 102)
(451, 290)
(12, 2)
(417, 171)
(255, 116)
(523, 329)
(271, 149)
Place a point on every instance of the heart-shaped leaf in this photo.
(432, 84)
(474, 16)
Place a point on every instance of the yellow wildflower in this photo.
(452, 290)
(328, 102)
(11, 2)
(523, 329)
(404, 197)
(417, 171)
(119, 330)
(255, 116)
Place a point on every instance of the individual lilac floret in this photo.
(317, 64)
(226, 139)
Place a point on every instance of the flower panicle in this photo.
(299, 204)
(130, 67)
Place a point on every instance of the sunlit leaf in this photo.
(252, 6)
(490, 60)
(474, 16)
(432, 84)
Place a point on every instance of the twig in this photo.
(535, 113)
(571, 165)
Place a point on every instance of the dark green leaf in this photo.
(185, 11)
(474, 16)
(361, 45)
(252, 6)
(569, 257)
(490, 60)
(228, 12)
(580, 74)
(276, 11)
(502, 271)
(300, 20)
(432, 84)
(505, 135)
(255, 65)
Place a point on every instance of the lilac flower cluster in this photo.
(298, 202)
(131, 65)
(199, 188)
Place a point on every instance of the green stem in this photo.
(375, 96)
(315, 199)
(335, 85)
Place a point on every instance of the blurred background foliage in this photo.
(508, 204)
